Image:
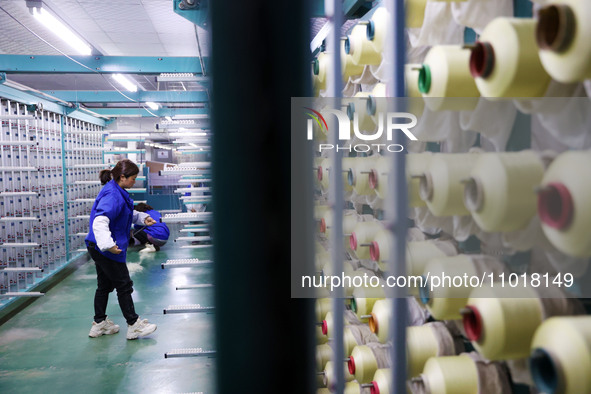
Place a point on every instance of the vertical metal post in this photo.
(395, 53)
(334, 14)
(65, 183)
(259, 61)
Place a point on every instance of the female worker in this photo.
(110, 220)
(153, 236)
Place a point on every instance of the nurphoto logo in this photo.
(387, 123)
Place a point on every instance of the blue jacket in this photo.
(116, 204)
(159, 230)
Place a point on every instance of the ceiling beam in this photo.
(28, 64)
(194, 11)
(108, 96)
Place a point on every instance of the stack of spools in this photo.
(510, 201)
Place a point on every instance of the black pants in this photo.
(112, 275)
(142, 237)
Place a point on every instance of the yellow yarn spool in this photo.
(364, 299)
(378, 105)
(323, 306)
(563, 203)
(419, 253)
(416, 164)
(327, 325)
(320, 211)
(352, 388)
(445, 73)
(329, 377)
(445, 302)
(363, 233)
(360, 48)
(317, 172)
(322, 260)
(380, 247)
(561, 355)
(441, 187)
(317, 86)
(366, 41)
(363, 363)
(505, 60)
(451, 375)
(381, 381)
(562, 32)
(349, 222)
(379, 90)
(500, 192)
(348, 67)
(379, 322)
(323, 391)
(321, 338)
(411, 75)
(356, 274)
(323, 173)
(377, 28)
(502, 328)
(378, 177)
(349, 340)
(320, 68)
(346, 164)
(358, 107)
(358, 175)
(421, 345)
(327, 330)
(416, 105)
(415, 12)
(323, 355)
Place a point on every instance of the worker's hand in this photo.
(114, 249)
(149, 221)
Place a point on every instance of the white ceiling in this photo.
(114, 27)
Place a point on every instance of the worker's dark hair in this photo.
(143, 207)
(105, 176)
(123, 167)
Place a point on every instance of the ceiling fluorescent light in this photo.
(177, 77)
(177, 122)
(63, 32)
(152, 105)
(126, 83)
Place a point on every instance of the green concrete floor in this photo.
(45, 348)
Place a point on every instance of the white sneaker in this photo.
(106, 327)
(140, 328)
(148, 249)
